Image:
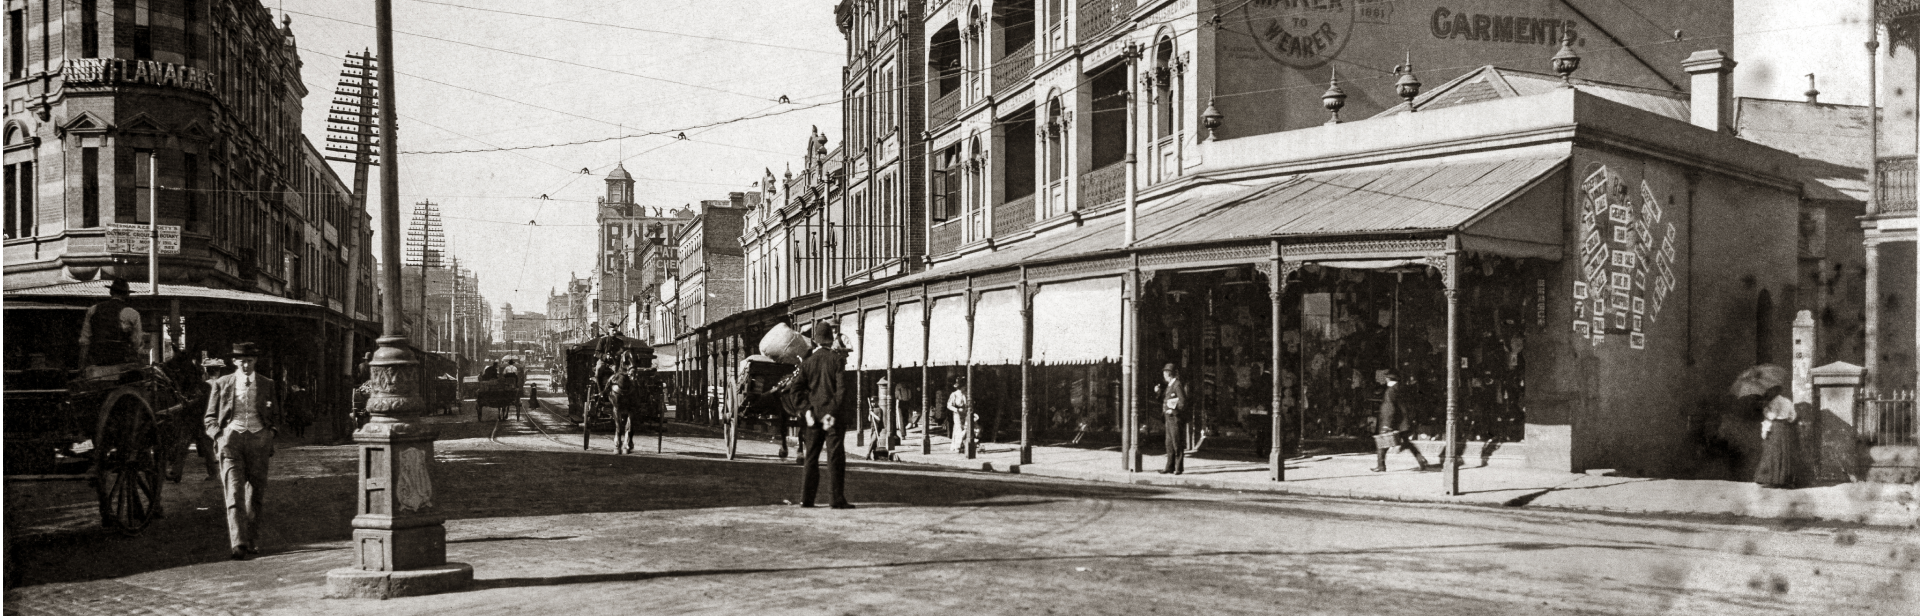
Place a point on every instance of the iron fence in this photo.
(1886, 418)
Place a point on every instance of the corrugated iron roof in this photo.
(1428, 196)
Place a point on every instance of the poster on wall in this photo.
(1625, 270)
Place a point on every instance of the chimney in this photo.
(1712, 88)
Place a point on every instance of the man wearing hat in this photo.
(823, 388)
(242, 416)
(111, 332)
(1175, 404)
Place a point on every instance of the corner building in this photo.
(1573, 268)
(210, 92)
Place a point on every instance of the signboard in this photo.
(109, 71)
(131, 238)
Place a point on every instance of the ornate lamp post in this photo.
(399, 542)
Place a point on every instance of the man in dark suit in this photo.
(243, 414)
(821, 383)
(1175, 405)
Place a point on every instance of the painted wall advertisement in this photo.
(1281, 54)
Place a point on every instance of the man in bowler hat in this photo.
(242, 417)
(1175, 405)
(822, 384)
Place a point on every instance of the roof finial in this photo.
(1335, 98)
(1813, 93)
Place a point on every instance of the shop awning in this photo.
(997, 328)
(1077, 322)
(1505, 204)
(97, 290)
(947, 335)
(909, 344)
(873, 345)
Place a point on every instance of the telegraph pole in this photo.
(399, 539)
(353, 114)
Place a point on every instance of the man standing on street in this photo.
(822, 383)
(1176, 403)
(242, 418)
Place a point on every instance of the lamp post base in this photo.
(351, 583)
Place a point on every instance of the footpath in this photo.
(1349, 476)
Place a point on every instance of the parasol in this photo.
(1757, 380)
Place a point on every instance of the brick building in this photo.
(107, 104)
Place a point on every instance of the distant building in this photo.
(625, 229)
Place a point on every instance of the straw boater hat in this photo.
(245, 349)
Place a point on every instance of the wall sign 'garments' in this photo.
(909, 342)
(873, 345)
(1077, 321)
(997, 329)
(947, 345)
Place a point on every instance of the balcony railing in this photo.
(1011, 71)
(1897, 185)
(1010, 217)
(943, 109)
(1103, 186)
(944, 239)
(1098, 16)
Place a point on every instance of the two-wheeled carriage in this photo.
(123, 419)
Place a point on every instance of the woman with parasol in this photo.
(1779, 430)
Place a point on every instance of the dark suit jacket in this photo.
(221, 401)
(823, 380)
(1390, 416)
(1176, 398)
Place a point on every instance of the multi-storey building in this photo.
(876, 225)
(788, 234)
(570, 312)
(110, 104)
(712, 266)
(625, 230)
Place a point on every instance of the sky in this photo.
(474, 75)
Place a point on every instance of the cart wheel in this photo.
(127, 468)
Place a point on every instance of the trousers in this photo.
(1176, 445)
(834, 441)
(243, 475)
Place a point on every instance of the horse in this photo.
(628, 395)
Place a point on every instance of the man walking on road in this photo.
(242, 418)
(822, 386)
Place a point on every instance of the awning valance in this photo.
(1077, 321)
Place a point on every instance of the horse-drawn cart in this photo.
(122, 419)
(615, 394)
(500, 392)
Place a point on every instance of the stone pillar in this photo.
(1836, 453)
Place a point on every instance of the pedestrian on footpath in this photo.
(1393, 427)
(961, 408)
(533, 399)
(242, 420)
(1175, 405)
(1779, 435)
(829, 410)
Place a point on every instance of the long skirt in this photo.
(1776, 456)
